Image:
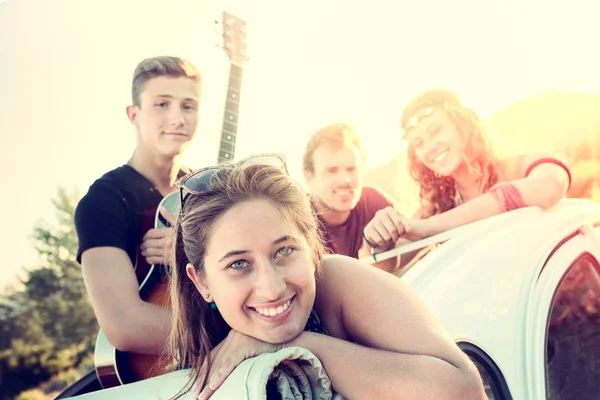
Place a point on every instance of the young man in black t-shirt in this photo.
(115, 219)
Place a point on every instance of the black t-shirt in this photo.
(118, 209)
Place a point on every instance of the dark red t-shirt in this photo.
(346, 238)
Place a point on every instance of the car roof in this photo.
(479, 283)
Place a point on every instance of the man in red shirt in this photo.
(333, 162)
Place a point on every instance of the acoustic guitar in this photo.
(114, 367)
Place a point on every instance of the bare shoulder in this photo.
(338, 272)
(342, 275)
(355, 297)
(349, 284)
(514, 166)
(335, 266)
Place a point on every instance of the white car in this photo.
(519, 293)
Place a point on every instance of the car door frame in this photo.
(557, 265)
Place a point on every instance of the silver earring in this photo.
(207, 295)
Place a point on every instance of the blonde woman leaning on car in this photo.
(460, 179)
(249, 277)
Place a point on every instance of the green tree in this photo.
(47, 325)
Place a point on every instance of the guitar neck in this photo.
(230, 116)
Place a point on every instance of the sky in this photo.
(66, 68)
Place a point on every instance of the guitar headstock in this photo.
(234, 38)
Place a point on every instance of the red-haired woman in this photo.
(459, 176)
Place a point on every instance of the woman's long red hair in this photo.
(438, 193)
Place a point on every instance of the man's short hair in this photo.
(150, 68)
(336, 136)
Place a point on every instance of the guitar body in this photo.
(114, 367)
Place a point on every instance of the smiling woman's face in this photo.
(259, 272)
(437, 143)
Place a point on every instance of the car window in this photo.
(573, 336)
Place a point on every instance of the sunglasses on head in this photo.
(200, 181)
